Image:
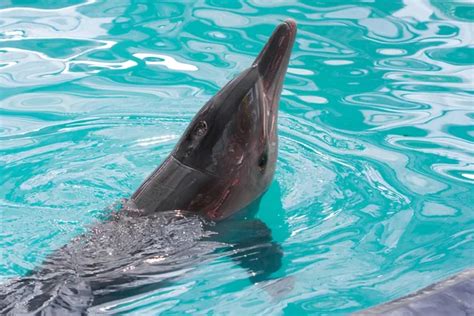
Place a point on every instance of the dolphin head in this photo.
(233, 138)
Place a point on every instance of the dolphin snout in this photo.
(272, 61)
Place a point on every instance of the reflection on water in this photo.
(376, 165)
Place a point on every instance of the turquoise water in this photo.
(374, 190)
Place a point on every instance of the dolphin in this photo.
(226, 157)
(452, 296)
(222, 164)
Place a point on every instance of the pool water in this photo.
(374, 191)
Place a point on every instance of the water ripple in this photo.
(374, 187)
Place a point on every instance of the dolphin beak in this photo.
(272, 61)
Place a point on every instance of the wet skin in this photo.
(226, 157)
(220, 167)
(452, 296)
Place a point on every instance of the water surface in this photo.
(374, 191)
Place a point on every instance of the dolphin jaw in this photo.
(272, 64)
(272, 61)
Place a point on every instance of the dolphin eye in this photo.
(201, 129)
(262, 161)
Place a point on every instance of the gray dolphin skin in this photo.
(453, 296)
(226, 157)
(222, 164)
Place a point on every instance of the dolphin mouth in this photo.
(272, 62)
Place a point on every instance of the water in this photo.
(373, 195)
